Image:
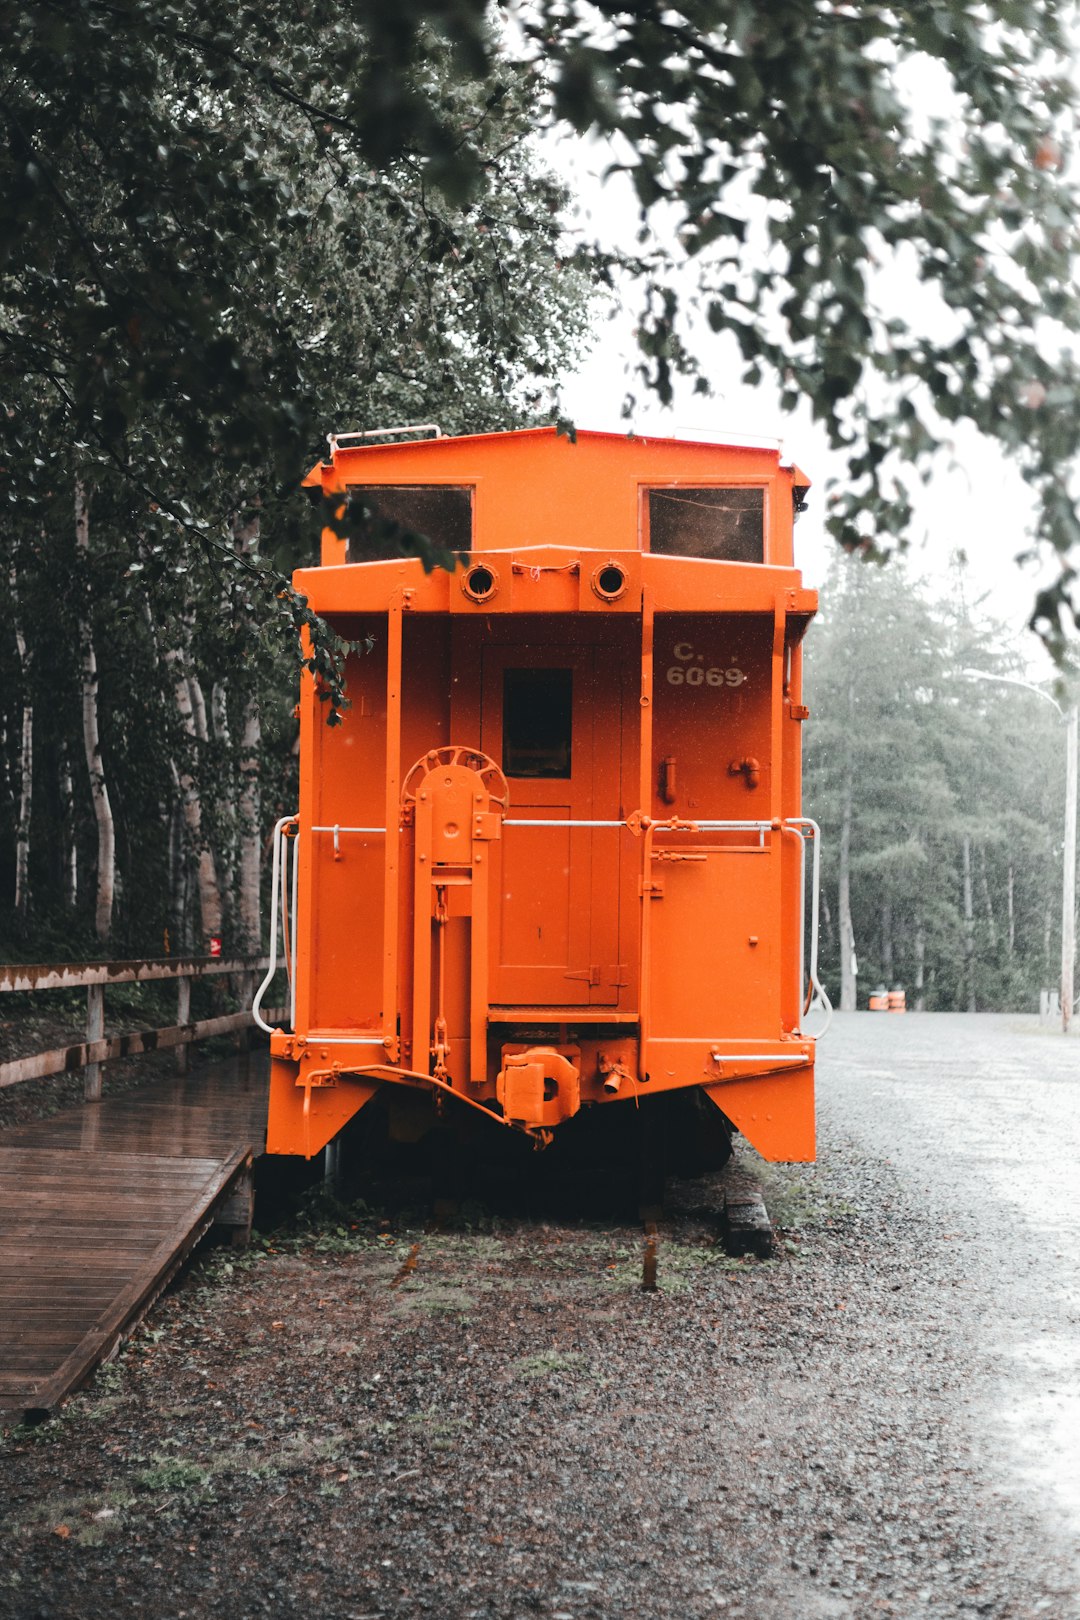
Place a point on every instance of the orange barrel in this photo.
(897, 1000)
(879, 999)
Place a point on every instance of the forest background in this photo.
(221, 234)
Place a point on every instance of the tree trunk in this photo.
(848, 976)
(192, 710)
(26, 765)
(920, 965)
(1010, 894)
(246, 529)
(99, 790)
(969, 929)
(71, 863)
(250, 911)
(848, 992)
(988, 904)
(887, 942)
(827, 918)
(177, 908)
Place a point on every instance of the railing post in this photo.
(183, 1016)
(95, 1030)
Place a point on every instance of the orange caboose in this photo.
(554, 859)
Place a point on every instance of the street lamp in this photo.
(1068, 876)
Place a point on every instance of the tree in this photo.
(190, 241)
(382, 299)
(780, 141)
(876, 196)
(939, 797)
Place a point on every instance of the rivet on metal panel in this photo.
(753, 939)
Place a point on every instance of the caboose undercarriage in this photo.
(554, 858)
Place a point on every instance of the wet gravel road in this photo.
(885, 1420)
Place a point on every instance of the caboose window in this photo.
(537, 707)
(441, 511)
(727, 525)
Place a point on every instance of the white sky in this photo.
(977, 503)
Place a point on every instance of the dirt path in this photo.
(509, 1427)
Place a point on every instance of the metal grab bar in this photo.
(660, 826)
(334, 439)
(819, 996)
(339, 828)
(540, 822)
(275, 904)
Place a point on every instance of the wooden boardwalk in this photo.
(98, 1207)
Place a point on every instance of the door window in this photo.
(537, 710)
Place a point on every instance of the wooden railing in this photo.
(98, 1048)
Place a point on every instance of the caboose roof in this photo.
(374, 463)
(540, 487)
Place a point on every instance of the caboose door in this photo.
(551, 716)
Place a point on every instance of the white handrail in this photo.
(791, 824)
(295, 858)
(275, 900)
(334, 439)
(820, 993)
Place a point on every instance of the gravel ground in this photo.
(374, 1419)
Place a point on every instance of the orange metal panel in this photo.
(716, 942)
(295, 1128)
(775, 1112)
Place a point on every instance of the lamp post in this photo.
(1068, 874)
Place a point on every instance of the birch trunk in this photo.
(969, 928)
(887, 942)
(71, 864)
(847, 932)
(848, 980)
(190, 711)
(246, 530)
(988, 904)
(1010, 894)
(827, 918)
(99, 790)
(26, 765)
(250, 910)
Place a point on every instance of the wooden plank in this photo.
(68, 1059)
(70, 975)
(98, 1208)
(143, 1288)
(54, 1329)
